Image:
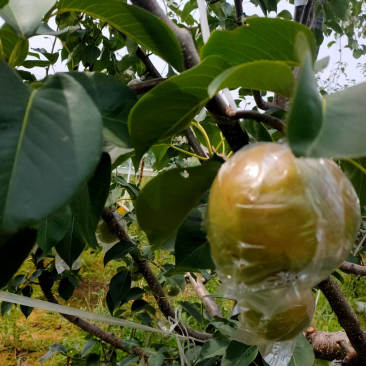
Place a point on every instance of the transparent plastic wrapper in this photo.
(276, 335)
(278, 225)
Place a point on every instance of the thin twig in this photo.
(261, 103)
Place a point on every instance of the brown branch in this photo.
(144, 268)
(346, 317)
(354, 269)
(46, 282)
(193, 142)
(274, 122)
(239, 12)
(307, 12)
(145, 86)
(232, 131)
(260, 102)
(201, 291)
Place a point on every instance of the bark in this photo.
(144, 268)
(354, 269)
(261, 103)
(201, 291)
(144, 86)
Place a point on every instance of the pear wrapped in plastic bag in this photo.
(279, 222)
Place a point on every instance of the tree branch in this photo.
(307, 12)
(346, 317)
(232, 131)
(239, 12)
(144, 268)
(193, 142)
(46, 283)
(144, 86)
(354, 269)
(201, 291)
(261, 103)
(274, 122)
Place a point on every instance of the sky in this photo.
(352, 71)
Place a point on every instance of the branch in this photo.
(346, 317)
(261, 103)
(145, 86)
(274, 122)
(46, 283)
(144, 268)
(239, 12)
(196, 146)
(201, 291)
(307, 12)
(354, 269)
(232, 131)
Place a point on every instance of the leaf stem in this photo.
(230, 154)
(219, 145)
(357, 165)
(204, 133)
(72, 59)
(188, 153)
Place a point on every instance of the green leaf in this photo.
(55, 348)
(132, 190)
(239, 354)
(88, 203)
(331, 127)
(139, 305)
(45, 30)
(53, 229)
(71, 245)
(213, 133)
(66, 288)
(303, 353)
(114, 99)
(9, 40)
(357, 177)
(5, 307)
(335, 26)
(14, 250)
(3, 3)
(29, 64)
(51, 57)
(127, 361)
(335, 9)
(93, 360)
(166, 200)
(161, 159)
(279, 36)
(214, 347)
(25, 16)
(120, 286)
(28, 292)
(259, 75)
(118, 251)
(26, 75)
(267, 5)
(171, 106)
(136, 23)
(41, 172)
(156, 359)
(91, 54)
(88, 346)
(193, 310)
(285, 14)
(192, 250)
(256, 130)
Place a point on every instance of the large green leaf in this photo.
(53, 229)
(88, 203)
(120, 286)
(335, 9)
(9, 40)
(3, 3)
(214, 347)
(260, 39)
(50, 140)
(170, 107)
(25, 16)
(114, 100)
(71, 245)
(332, 127)
(239, 354)
(259, 75)
(357, 177)
(256, 130)
(192, 250)
(303, 353)
(138, 24)
(166, 200)
(14, 251)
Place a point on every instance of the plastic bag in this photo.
(278, 225)
(276, 334)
